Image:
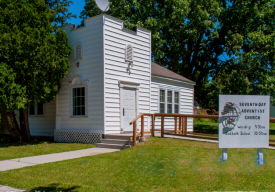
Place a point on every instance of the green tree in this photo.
(190, 37)
(250, 45)
(60, 9)
(32, 60)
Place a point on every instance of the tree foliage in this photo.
(32, 58)
(205, 40)
(60, 9)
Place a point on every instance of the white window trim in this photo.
(74, 84)
(166, 89)
(81, 53)
(36, 110)
(126, 84)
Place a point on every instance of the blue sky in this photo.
(76, 8)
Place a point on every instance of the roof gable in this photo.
(161, 71)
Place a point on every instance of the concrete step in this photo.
(112, 146)
(117, 141)
(118, 136)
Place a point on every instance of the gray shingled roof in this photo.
(161, 71)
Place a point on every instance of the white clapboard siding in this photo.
(44, 125)
(41, 125)
(115, 40)
(91, 68)
(186, 100)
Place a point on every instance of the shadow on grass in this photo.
(54, 188)
(208, 129)
(8, 141)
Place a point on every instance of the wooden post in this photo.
(185, 126)
(182, 125)
(162, 126)
(176, 126)
(153, 126)
(142, 127)
(179, 124)
(134, 133)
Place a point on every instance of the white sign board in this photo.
(243, 121)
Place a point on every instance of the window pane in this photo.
(169, 108)
(176, 108)
(32, 110)
(74, 92)
(176, 99)
(83, 100)
(78, 101)
(161, 108)
(169, 96)
(162, 96)
(83, 110)
(74, 101)
(82, 91)
(39, 108)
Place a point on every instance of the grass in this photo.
(161, 164)
(212, 127)
(10, 149)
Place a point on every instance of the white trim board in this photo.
(170, 79)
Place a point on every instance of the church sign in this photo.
(243, 121)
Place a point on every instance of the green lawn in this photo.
(161, 164)
(11, 150)
(211, 127)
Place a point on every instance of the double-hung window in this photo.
(79, 101)
(79, 97)
(162, 101)
(169, 101)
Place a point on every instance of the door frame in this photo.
(131, 85)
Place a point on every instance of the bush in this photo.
(203, 120)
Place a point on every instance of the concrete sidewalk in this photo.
(41, 159)
(9, 189)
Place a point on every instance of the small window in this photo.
(129, 53)
(176, 102)
(162, 101)
(37, 109)
(79, 101)
(78, 51)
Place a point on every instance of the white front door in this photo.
(129, 108)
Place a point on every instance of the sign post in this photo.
(244, 123)
(260, 159)
(224, 154)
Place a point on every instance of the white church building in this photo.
(110, 81)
